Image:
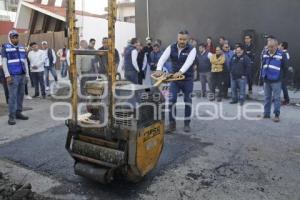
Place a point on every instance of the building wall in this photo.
(124, 31)
(2, 5)
(39, 23)
(229, 18)
(6, 13)
(125, 12)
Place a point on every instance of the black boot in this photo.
(171, 128)
(20, 116)
(187, 128)
(11, 120)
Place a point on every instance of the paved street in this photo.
(219, 159)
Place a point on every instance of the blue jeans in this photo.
(38, 79)
(187, 88)
(241, 84)
(16, 94)
(52, 70)
(64, 68)
(275, 90)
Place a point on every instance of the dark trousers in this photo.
(30, 78)
(285, 91)
(226, 83)
(132, 76)
(38, 79)
(250, 77)
(141, 77)
(187, 88)
(217, 84)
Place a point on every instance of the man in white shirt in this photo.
(50, 61)
(182, 56)
(37, 62)
(130, 61)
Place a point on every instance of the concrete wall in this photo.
(39, 22)
(2, 5)
(97, 28)
(23, 17)
(218, 17)
(125, 12)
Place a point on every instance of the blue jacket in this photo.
(228, 55)
(179, 60)
(239, 66)
(128, 60)
(273, 67)
(16, 56)
(153, 59)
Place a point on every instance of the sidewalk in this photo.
(258, 93)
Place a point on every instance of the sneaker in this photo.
(262, 92)
(36, 96)
(285, 103)
(250, 93)
(233, 102)
(276, 119)
(266, 117)
(219, 99)
(56, 85)
(47, 88)
(187, 128)
(28, 97)
(171, 128)
(21, 116)
(11, 121)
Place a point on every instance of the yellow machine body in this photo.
(149, 147)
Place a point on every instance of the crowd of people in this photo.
(217, 67)
(220, 68)
(21, 66)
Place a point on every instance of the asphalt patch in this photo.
(4, 109)
(45, 153)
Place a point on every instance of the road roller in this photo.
(117, 128)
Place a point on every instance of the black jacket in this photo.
(250, 52)
(240, 66)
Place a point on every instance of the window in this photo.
(58, 3)
(45, 2)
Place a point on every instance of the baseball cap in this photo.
(13, 33)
